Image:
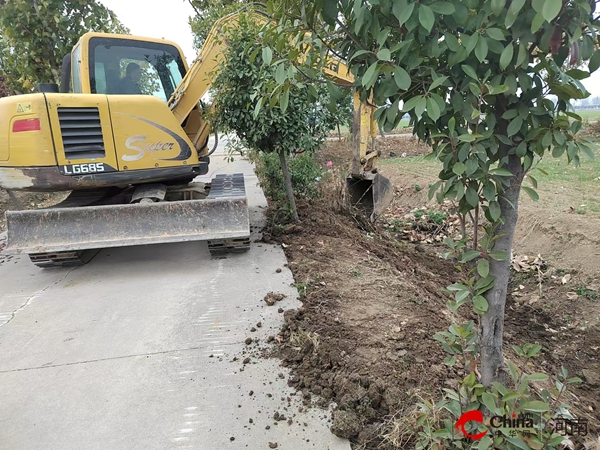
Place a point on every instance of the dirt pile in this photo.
(371, 305)
(372, 301)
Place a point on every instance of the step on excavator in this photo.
(126, 136)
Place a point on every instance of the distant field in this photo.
(592, 114)
(404, 123)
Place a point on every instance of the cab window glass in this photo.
(135, 67)
(76, 69)
(100, 78)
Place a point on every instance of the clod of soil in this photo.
(271, 298)
(248, 341)
(273, 445)
(346, 424)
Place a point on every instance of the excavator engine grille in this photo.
(81, 133)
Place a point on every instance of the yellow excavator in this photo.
(126, 135)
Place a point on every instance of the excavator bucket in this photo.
(221, 218)
(372, 197)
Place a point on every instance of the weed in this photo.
(417, 187)
(305, 173)
(437, 217)
(355, 272)
(302, 288)
(587, 293)
(416, 300)
(419, 213)
(396, 225)
(303, 340)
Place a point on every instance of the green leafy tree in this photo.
(4, 89)
(268, 111)
(207, 13)
(477, 78)
(37, 34)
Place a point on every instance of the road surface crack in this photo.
(28, 301)
(115, 358)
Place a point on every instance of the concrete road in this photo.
(143, 348)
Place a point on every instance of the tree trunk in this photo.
(339, 132)
(492, 322)
(288, 185)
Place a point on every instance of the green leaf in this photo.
(489, 402)
(470, 41)
(258, 107)
(470, 256)
(458, 168)
(498, 6)
(480, 303)
(537, 23)
(537, 377)
(514, 126)
(280, 73)
(535, 406)
(588, 151)
(330, 11)
(384, 54)
(370, 76)
(472, 197)
(470, 71)
(433, 109)
(360, 53)
(483, 267)
(498, 256)
(495, 211)
(481, 49)
(506, 56)
(531, 192)
(495, 33)
(457, 287)
(411, 103)
(445, 8)
(499, 89)
(402, 78)
(452, 42)
(285, 100)
(267, 55)
(466, 137)
(420, 106)
(437, 82)
(538, 5)
(402, 10)
(551, 9)
(594, 61)
(426, 17)
(501, 172)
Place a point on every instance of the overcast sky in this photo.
(166, 19)
(169, 19)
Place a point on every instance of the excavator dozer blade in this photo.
(372, 197)
(222, 219)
